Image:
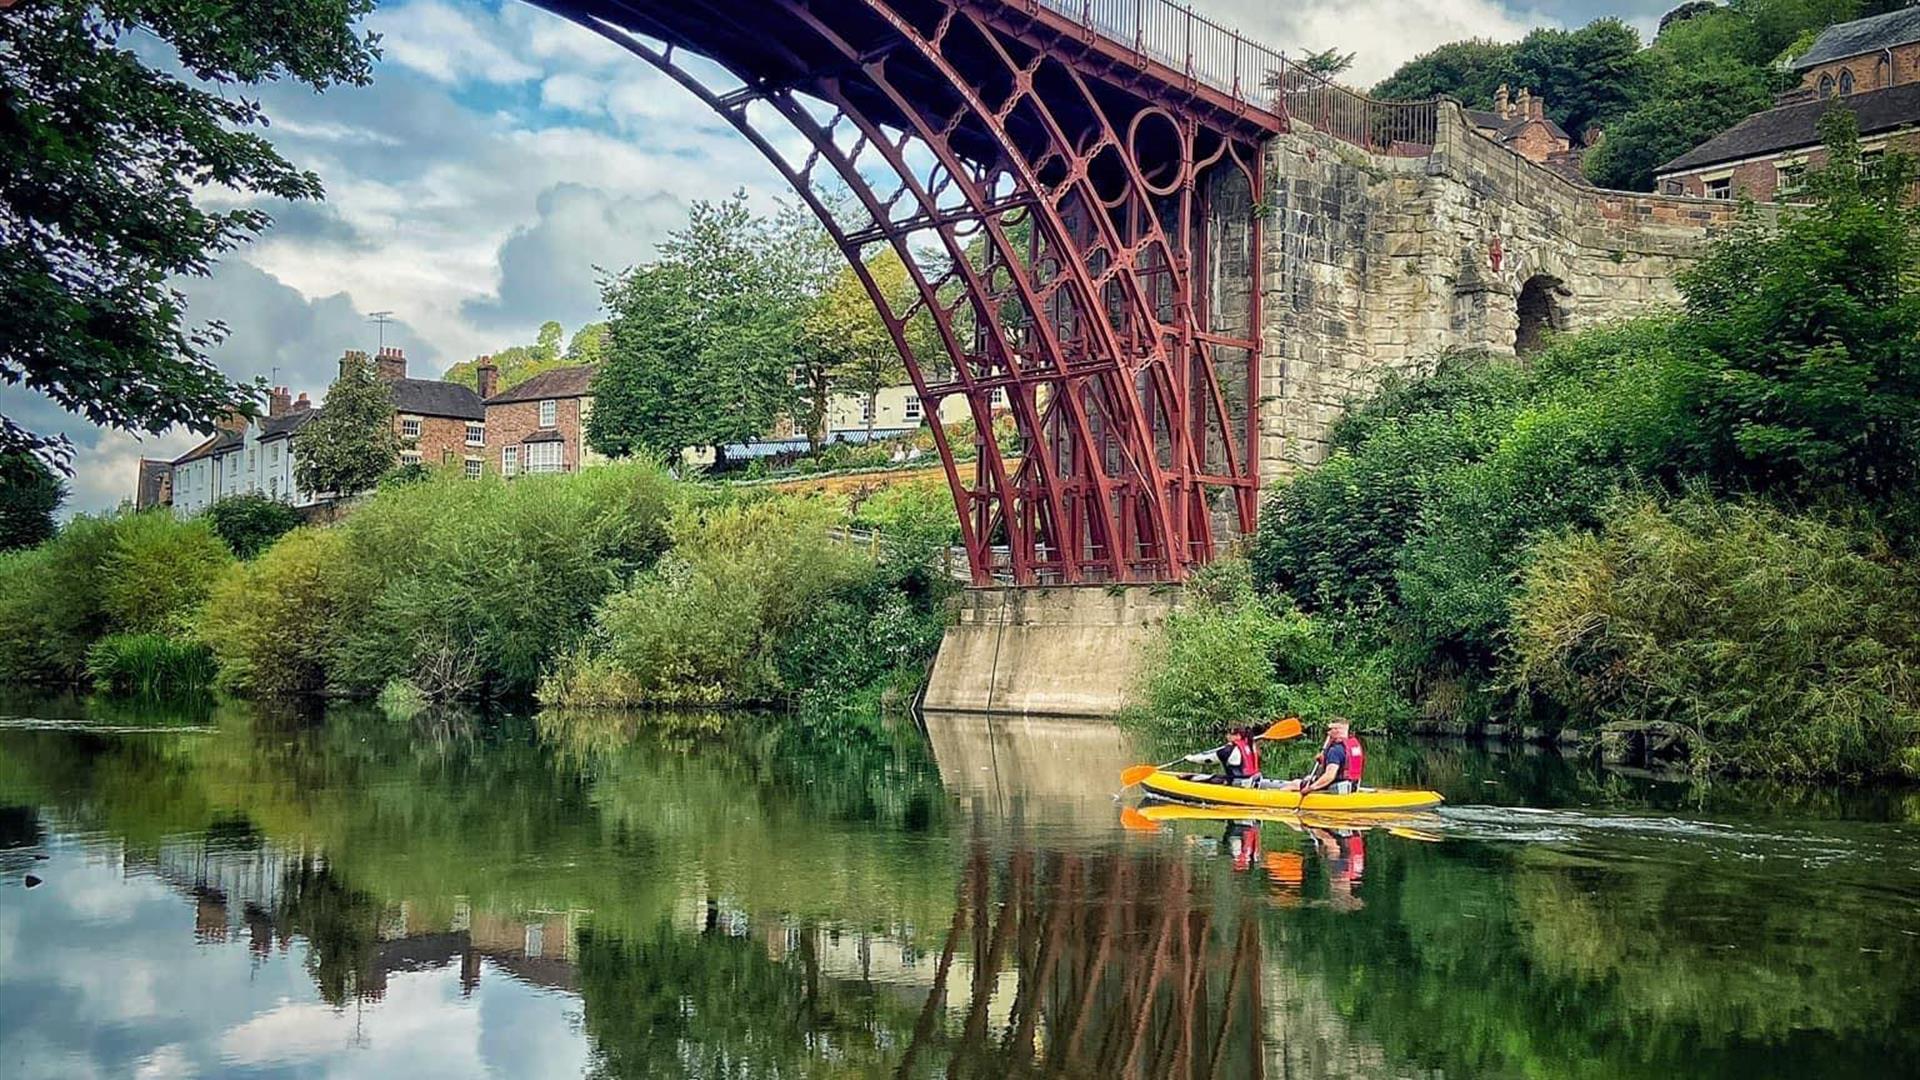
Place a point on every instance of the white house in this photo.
(246, 458)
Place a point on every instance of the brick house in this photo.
(1869, 66)
(1520, 124)
(438, 422)
(538, 426)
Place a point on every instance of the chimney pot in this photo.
(486, 377)
(301, 404)
(1501, 104)
(277, 402)
(391, 364)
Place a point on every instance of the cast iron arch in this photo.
(1060, 241)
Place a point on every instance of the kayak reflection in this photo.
(1335, 843)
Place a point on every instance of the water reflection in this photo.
(707, 896)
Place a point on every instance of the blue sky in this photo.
(503, 157)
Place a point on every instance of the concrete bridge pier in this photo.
(1049, 651)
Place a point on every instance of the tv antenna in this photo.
(382, 318)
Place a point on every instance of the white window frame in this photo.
(476, 433)
(409, 457)
(410, 427)
(549, 413)
(913, 410)
(473, 468)
(1725, 192)
(546, 457)
(510, 460)
(866, 408)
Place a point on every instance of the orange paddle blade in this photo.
(1137, 773)
(1134, 821)
(1284, 729)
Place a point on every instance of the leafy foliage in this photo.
(158, 571)
(150, 665)
(1775, 643)
(30, 493)
(700, 344)
(275, 623)
(101, 153)
(1808, 335)
(352, 443)
(251, 523)
(518, 363)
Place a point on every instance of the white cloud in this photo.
(443, 43)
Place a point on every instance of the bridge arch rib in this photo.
(1063, 245)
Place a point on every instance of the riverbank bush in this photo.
(150, 665)
(274, 623)
(756, 602)
(131, 573)
(251, 523)
(1772, 643)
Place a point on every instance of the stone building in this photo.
(539, 426)
(1869, 66)
(438, 422)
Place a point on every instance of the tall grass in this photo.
(151, 665)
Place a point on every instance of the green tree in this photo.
(846, 337)
(1327, 62)
(1587, 76)
(251, 523)
(351, 444)
(588, 344)
(1808, 333)
(1468, 71)
(701, 343)
(30, 492)
(101, 155)
(518, 363)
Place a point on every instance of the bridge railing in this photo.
(1250, 73)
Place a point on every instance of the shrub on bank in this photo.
(1773, 643)
(275, 623)
(251, 523)
(151, 665)
(131, 573)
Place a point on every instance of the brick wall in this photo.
(442, 440)
(508, 424)
(1866, 69)
(1760, 179)
(1372, 265)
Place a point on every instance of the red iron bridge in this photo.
(1075, 188)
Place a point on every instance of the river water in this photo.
(223, 891)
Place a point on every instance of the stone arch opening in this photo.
(1540, 310)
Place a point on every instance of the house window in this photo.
(275, 454)
(509, 461)
(1792, 179)
(1883, 73)
(913, 412)
(1721, 188)
(999, 398)
(474, 468)
(273, 486)
(409, 457)
(866, 410)
(1672, 187)
(253, 458)
(1870, 161)
(476, 434)
(1846, 82)
(549, 412)
(409, 427)
(546, 457)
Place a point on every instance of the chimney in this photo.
(278, 402)
(301, 404)
(392, 364)
(349, 358)
(1501, 107)
(1539, 108)
(235, 421)
(1522, 104)
(486, 377)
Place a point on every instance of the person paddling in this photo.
(1338, 768)
(1239, 759)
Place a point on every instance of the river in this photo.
(229, 891)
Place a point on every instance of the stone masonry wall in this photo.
(1373, 265)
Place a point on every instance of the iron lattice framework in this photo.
(1080, 234)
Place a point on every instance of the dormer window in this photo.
(549, 412)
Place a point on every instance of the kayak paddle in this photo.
(1281, 729)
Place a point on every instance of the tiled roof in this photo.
(219, 441)
(432, 397)
(286, 423)
(1791, 126)
(561, 382)
(1862, 36)
(1506, 129)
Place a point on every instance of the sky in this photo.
(504, 159)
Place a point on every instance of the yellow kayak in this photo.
(1162, 813)
(1178, 787)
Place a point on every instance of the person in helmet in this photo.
(1337, 770)
(1239, 759)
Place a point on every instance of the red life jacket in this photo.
(1355, 766)
(1249, 758)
